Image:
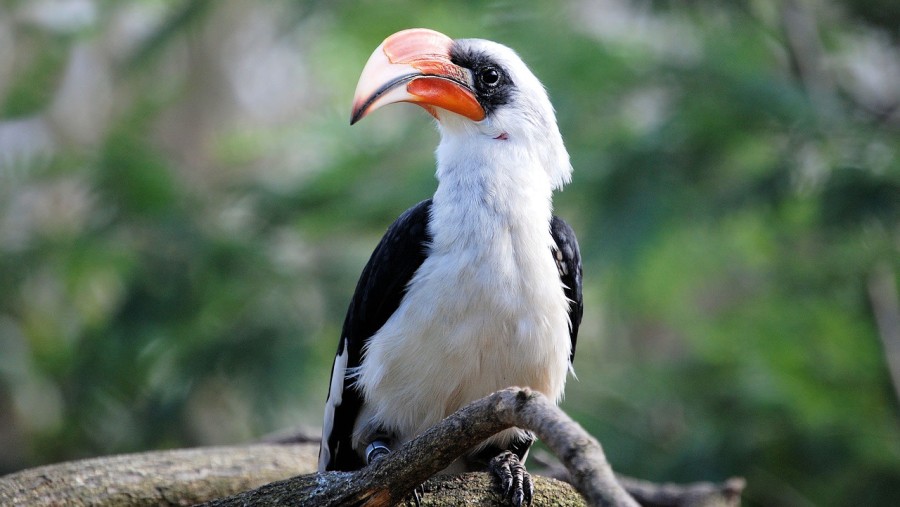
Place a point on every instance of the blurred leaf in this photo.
(183, 281)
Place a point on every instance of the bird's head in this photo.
(480, 92)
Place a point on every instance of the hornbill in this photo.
(473, 290)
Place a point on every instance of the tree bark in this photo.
(176, 477)
(184, 477)
(390, 480)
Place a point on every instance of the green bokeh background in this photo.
(184, 211)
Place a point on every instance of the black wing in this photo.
(378, 294)
(568, 262)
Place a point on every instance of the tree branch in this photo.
(195, 475)
(388, 481)
(701, 494)
(176, 477)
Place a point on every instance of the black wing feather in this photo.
(568, 262)
(379, 291)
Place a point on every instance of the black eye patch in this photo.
(493, 86)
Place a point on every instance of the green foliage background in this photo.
(184, 211)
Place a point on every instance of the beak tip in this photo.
(356, 115)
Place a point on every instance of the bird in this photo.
(473, 290)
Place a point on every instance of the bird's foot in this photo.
(514, 479)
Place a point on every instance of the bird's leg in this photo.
(514, 479)
(377, 449)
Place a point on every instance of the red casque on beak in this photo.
(414, 66)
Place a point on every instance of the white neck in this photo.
(486, 184)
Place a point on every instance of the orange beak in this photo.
(414, 66)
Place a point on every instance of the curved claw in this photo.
(514, 479)
(416, 496)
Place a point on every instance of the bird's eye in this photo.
(489, 76)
